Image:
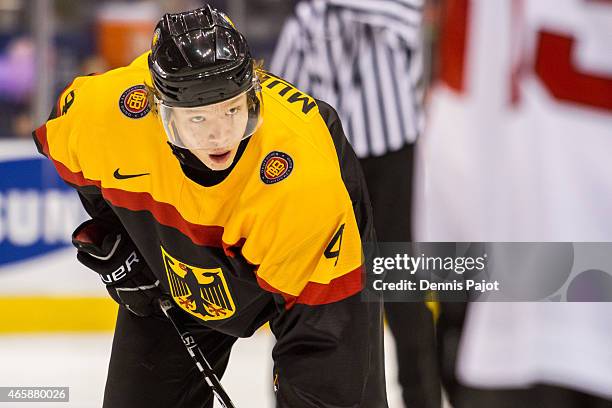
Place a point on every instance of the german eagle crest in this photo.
(204, 293)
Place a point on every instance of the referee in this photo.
(365, 59)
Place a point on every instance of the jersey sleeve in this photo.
(308, 250)
(328, 350)
(57, 139)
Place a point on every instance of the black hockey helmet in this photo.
(200, 65)
(198, 58)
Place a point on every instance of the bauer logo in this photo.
(134, 102)
(276, 167)
(38, 211)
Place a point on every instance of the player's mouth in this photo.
(220, 157)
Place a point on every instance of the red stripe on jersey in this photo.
(454, 35)
(233, 250)
(164, 213)
(41, 137)
(289, 300)
(73, 178)
(320, 293)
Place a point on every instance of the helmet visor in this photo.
(215, 126)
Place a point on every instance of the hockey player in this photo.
(518, 140)
(226, 189)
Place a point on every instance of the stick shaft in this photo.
(196, 353)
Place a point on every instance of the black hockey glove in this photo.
(110, 252)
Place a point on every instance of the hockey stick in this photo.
(196, 353)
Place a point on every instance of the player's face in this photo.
(211, 133)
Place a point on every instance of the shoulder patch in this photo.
(301, 104)
(134, 102)
(276, 167)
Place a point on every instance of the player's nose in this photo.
(213, 136)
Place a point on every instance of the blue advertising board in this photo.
(38, 211)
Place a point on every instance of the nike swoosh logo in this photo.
(127, 176)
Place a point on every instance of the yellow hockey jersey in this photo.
(278, 240)
(284, 221)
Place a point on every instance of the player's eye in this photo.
(233, 110)
(197, 119)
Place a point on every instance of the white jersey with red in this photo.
(519, 148)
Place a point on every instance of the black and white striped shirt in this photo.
(364, 57)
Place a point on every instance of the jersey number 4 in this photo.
(333, 249)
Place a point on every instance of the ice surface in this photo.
(80, 362)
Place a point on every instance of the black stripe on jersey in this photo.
(351, 172)
(387, 93)
(397, 97)
(416, 102)
(373, 5)
(38, 145)
(392, 10)
(370, 93)
(364, 115)
(342, 56)
(377, 68)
